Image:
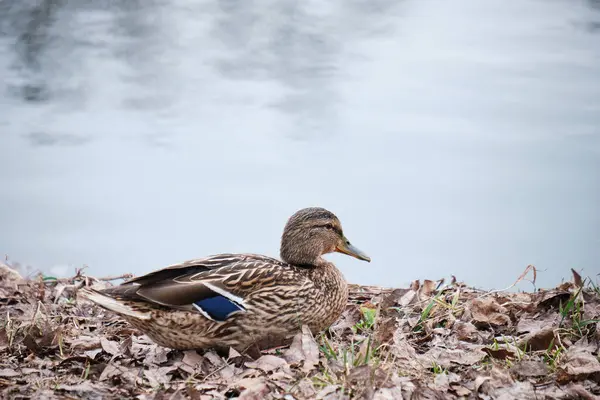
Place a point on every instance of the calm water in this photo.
(449, 137)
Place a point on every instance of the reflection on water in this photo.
(450, 138)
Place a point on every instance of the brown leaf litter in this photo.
(430, 341)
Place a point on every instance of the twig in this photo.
(519, 279)
(34, 318)
(114, 278)
(222, 367)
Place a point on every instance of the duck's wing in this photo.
(214, 286)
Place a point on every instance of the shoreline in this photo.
(431, 340)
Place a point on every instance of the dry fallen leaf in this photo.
(501, 353)
(460, 390)
(427, 289)
(393, 393)
(86, 342)
(214, 359)
(406, 357)
(349, 318)
(119, 372)
(159, 376)
(591, 311)
(192, 358)
(553, 299)
(466, 331)
(156, 355)
(539, 340)
(408, 298)
(233, 354)
(487, 311)
(92, 353)
(538, 322)
(83, 387)
(8, 274)
(577, 278)
(441, 383)
(110, 347)
(518, 390)
(530, 369)
(578, 363)
(306, 389)
(327, 391)
(579, 392)
(479, 381)
(303, 349)
(448, 357)
(8, 373)
(27, 371)
(267, 363)
(4, 341)
(253, 389)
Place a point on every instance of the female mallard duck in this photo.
(241, 300)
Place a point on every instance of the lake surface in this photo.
(449, 137)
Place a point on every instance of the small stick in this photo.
(519, 279)
(34, 318)
(114, 278)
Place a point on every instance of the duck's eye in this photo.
(329, 226)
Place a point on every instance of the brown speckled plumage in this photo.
(273, 298)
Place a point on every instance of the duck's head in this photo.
(312, 232)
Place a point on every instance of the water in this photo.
(449, 137)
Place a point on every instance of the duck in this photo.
(247, 302)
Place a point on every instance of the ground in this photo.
(430, 341)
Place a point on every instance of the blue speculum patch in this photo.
(218, 307)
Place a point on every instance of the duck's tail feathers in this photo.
(112, 304)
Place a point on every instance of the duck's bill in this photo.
(350, 250)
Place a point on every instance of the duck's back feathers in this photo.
(215, 286)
